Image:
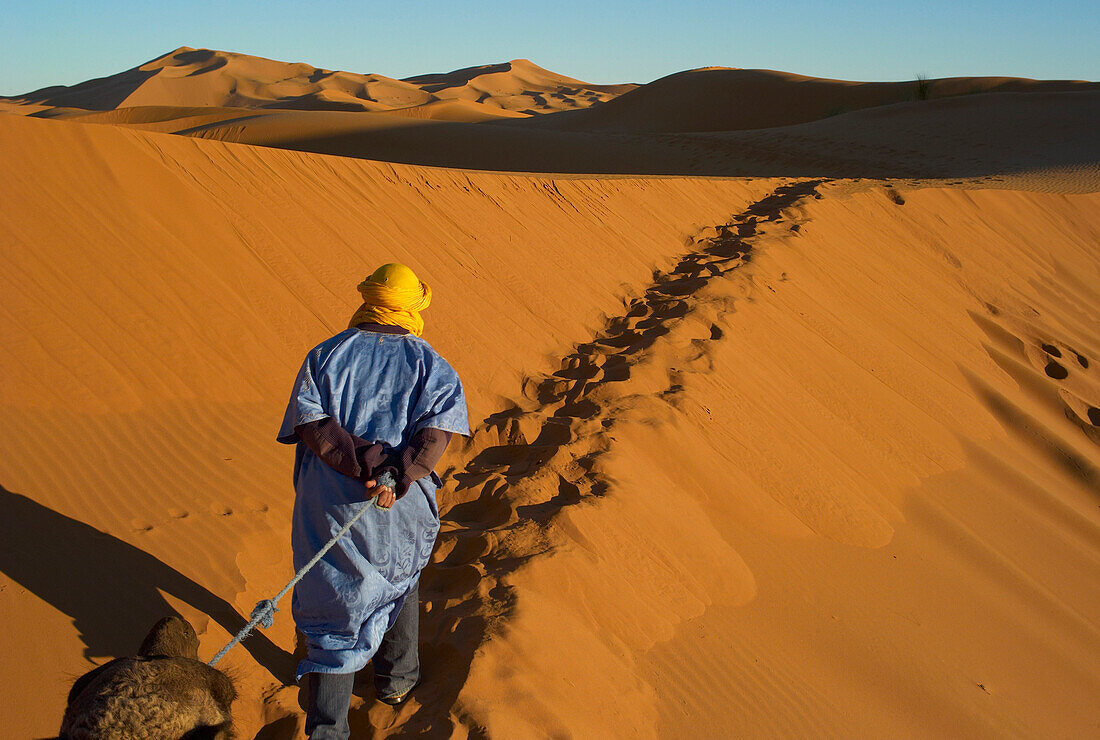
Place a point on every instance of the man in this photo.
(375, 399)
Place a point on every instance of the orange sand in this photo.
(791, 456)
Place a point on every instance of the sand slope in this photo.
(849, 492)
(752, 457)
(160, 290)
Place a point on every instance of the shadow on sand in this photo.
(108, 587)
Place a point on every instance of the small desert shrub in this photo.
(923, 86)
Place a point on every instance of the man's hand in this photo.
(386, 495)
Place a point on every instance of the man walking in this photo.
(372, 411)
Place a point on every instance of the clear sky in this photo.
(47, 42)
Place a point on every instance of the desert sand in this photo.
(787, 416)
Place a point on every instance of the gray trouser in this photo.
(397, 662)
(396, 671)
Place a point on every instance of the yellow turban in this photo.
(393, 295)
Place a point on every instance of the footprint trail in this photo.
(529, 461)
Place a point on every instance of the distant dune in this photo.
(813, 455)
(190, 77)
(737, 99)
(519, 117)
(990, 135)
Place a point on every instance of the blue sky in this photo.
(46, 42)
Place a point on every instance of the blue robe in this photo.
(383, 388)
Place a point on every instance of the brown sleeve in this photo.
(342, 451)
(418, 458)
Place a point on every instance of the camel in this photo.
(163, 692)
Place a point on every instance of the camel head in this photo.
(163, 692)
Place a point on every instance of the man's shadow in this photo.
(107, 586)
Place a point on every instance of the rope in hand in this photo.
(263, 613)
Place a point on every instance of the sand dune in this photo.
(737, 99)
(1034, 140)
(519, 85)
(753, 457)
(709, 122)
(203, 77)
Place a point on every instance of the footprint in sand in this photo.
(461, 548)
(488, 510)
(1057, 367)
(1056, 370)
